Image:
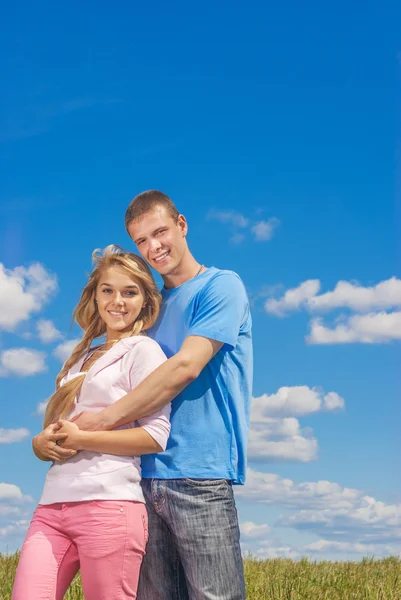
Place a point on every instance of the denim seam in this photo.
(124, 554)
(56, 570)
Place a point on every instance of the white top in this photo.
(98, 476)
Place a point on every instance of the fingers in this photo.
(63, 453)
(58, 436)
(53, 427)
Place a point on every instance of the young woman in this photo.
(92, 515)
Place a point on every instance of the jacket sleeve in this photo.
(146, 357)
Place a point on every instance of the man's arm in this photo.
(159, 388)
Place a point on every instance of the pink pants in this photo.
(106, 539)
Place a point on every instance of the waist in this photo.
(120, 483)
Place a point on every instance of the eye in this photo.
(130, 293)
(140, 242)
(161, 231)
(107, 290)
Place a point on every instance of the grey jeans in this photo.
(193, 552)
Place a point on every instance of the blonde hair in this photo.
(87, 316)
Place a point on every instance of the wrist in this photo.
(103, 421)
(84, 438)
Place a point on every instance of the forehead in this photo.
(150, 221)
(117, 276)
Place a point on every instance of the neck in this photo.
(186, 270)
(112, 337)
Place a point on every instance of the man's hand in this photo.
(45, 444)
(90, 421)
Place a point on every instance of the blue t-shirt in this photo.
(210, 417)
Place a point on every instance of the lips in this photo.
(160, 258)
(116, 314)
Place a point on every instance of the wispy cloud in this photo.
(264, 230)
(260, 230)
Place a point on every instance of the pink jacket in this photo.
(96, 476)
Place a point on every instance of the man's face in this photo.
(160, 241)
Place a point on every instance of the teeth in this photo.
(161, 257)
(116, 314)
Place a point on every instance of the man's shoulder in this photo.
(223, 277)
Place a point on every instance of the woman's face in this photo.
(120, 299)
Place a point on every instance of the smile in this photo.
(162, 257)
(116, 314)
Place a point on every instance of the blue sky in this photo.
(274, 129)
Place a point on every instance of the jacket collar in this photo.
(111, 356)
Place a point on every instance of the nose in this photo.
(154, 244)
(118, 299)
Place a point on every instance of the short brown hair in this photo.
(145, 202)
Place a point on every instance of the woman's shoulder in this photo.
(141, 343)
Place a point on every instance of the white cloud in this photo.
(64, 350)
(47, 332)
(277, 435)
(263, 230)
(11, 492)
(23, 291)
(365, 517)
(281, 440)
(231, 217)
(269, 488)
(332, 401)
(368, 329)
(22, 362)
(294, 298)
(326, 509)
(325, 546)
(250, 530)
(293, 401)
(382, 296)
(9, 436)
(41, 408)
(15, 528)
(319, 550)
(9, 510)
(268, 549)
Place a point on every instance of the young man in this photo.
(204, 328)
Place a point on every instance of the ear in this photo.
(182, 224)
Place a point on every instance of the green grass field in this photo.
(281, 579)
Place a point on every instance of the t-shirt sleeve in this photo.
(146, 357)
(222, 305)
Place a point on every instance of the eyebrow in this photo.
(125, 287)
(143, 237)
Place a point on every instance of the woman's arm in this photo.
(122, 442)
